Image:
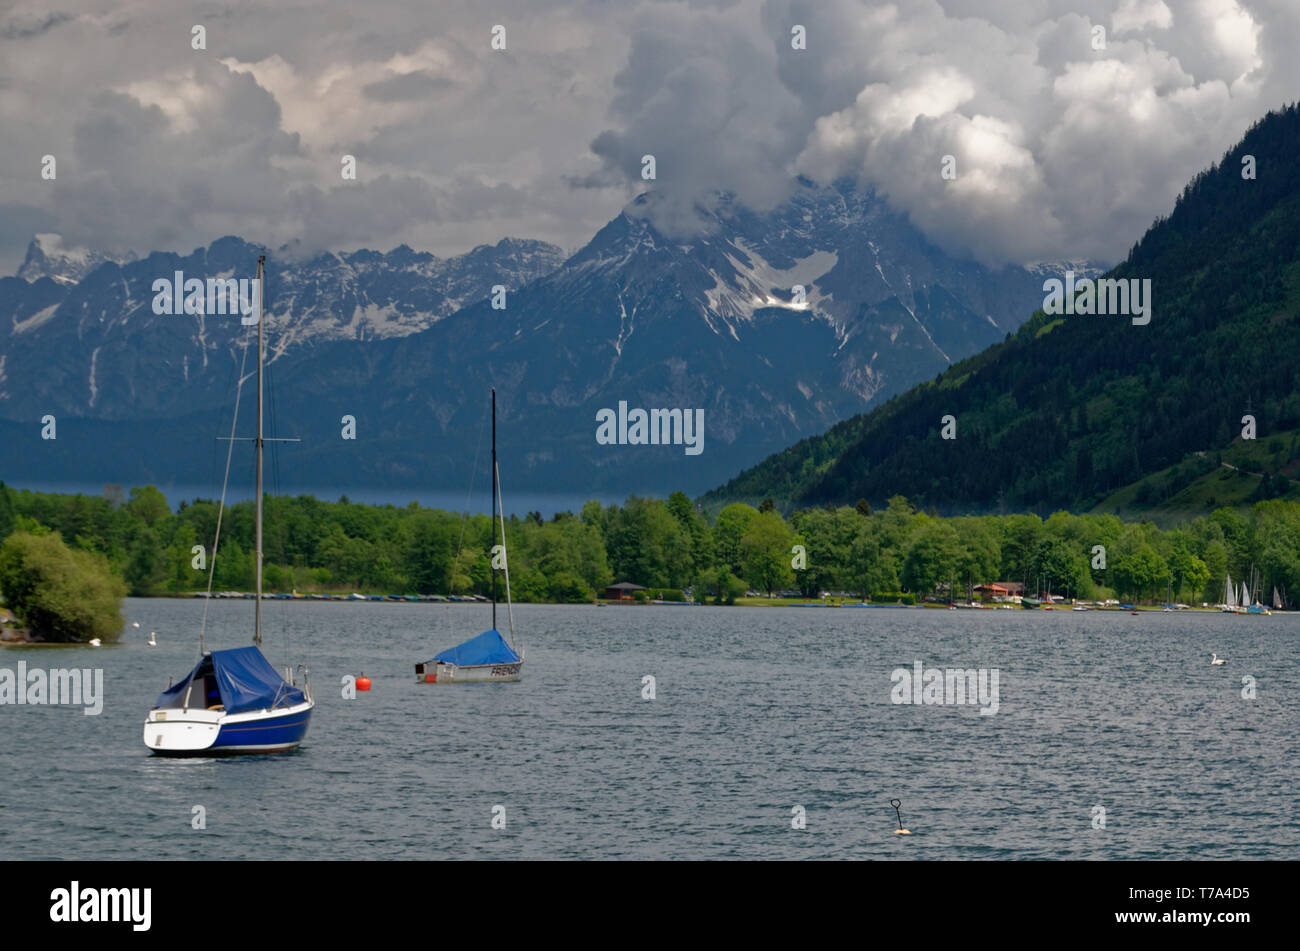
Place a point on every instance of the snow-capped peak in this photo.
(48, 256)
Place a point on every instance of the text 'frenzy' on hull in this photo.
(435, 672)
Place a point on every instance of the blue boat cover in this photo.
(488, 648)
(245, 680)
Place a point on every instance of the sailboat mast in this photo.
(257, 611)
(494, 506)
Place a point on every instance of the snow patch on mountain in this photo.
(94, 390)
(1057, 269)
(35, 320)
(755, 280)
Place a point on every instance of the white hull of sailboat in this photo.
(470, 674)
(181, 732)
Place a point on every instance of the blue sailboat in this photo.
(233, 701)
(487, 657)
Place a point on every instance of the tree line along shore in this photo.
(134, 544)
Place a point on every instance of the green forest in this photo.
(890, 554)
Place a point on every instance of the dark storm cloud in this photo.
(704, 99)
(22, 27)
(407, 86)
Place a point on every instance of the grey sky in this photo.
(1062, 151)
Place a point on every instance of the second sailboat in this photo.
(487, 657)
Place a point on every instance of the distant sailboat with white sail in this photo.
(1229, 604)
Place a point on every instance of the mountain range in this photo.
(408, 344)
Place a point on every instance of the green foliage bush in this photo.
(666, 594)
(568, 588)
(58, 593)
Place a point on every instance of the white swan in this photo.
(152, 640)
(1216, 660)
(135, 623)
(94, 642)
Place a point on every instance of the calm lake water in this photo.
(757, 710)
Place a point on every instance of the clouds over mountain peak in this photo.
(1062, 145)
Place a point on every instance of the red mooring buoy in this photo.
(363, 682)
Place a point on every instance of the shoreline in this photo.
(746, 602)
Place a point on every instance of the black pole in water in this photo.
(896, 803)
(494, 508)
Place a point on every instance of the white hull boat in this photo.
(438, 672)
(213, 732)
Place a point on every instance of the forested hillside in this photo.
(1072, 409)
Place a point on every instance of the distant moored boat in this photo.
(487, 657)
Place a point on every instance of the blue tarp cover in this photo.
(245, 679)
(488, 648)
